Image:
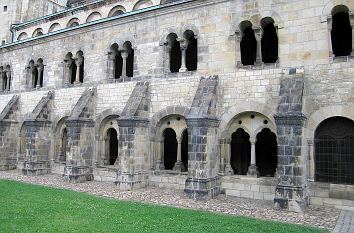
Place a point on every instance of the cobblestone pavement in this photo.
(315, 216)
(345, 222)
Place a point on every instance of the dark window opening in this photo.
(35, 75)
(170, 148)
(64, 142)
(41, 79)
(191, 51)
(175, 53)
(240, 152)
(334, 151)
(269, 44)
(248, 47)
(73, 72)
(266, 153)
(113, 146)
(130, 63)
(81, 79)
(4, 81)
(341, 34)
(184, 150)
(118, 62)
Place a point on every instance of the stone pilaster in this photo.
(37, 147)
(203, 181)
(291, 191)
(133, 153)
(79, 151)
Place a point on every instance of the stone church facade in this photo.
(250, 98)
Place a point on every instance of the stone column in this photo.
(329, 33)
(111, 67)
(40, 70)
(67, 71)
(310, 160)
(124, 54)
(167, 56)
(106, 150)
(8, 81)
(183, 45)
(179, 165)
(160, 162)
(2, 77)
(258, 32)
(203, 181)
(78, 62)
(253, 169)
(238, 48)
(228, 168)
(351, 17)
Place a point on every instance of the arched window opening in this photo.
(129, 58)
(112, 146)
(142, 4)
(54, 27)
(22, 36)
(170, 148)
(175, 52)
(93, 17)
(3, 79)
(35, 77)
(40, 69)
(73, 22)
(37, 32)
(70, 69)
(191, 51)
(184, 150)
(266, 153)
(79, 61)
(341, 33)
(269, 41)
(117, 63)
(240, 152)
(64, 143)
(334, 151)
(248, 44)
(117, 10)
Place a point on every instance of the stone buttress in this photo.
(134, 139)
(80, 133)
(37, 138)
(8, 135)
(291, 191)
(203, 181)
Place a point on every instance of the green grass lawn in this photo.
(32, 208)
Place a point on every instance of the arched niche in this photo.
(94, 16)
(142, 4)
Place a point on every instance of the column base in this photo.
(160, 165)
(228, 170)
(179, 166)
(202, 189)
(291, 198)
(130, 181)
(253, 171)
(32, 168)
(77, 174)
(183, 69)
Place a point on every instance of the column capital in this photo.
(111, 55)
(78, 61)
(253, 140)
(310, 141)
(258, 32)
(239, 36)
(179, 140)
(124, 53)
(183, 43)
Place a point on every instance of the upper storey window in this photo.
(341, 32)
(248, 44)
(5, 75)
(269, 42)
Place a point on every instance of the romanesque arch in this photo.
(107, 136)
(269, 41)
(93, 17)
(54, 27)
(117, 10)
(60, 141)
(22, 36)
(37, 32)
(169, 124)
(248, 44)
(73, 22)
(142, 4)
(334, 151)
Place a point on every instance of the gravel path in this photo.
(315, 216)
